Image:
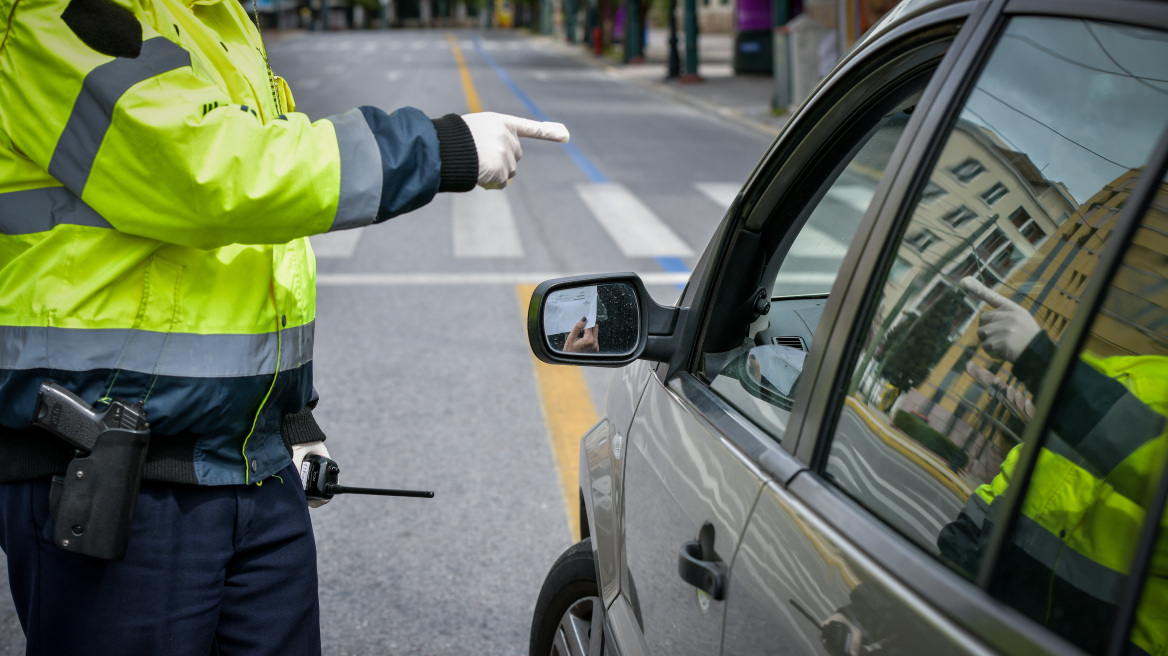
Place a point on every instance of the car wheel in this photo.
(568, 614)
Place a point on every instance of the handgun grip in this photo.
(65, 415)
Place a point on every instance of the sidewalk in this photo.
(745, 99)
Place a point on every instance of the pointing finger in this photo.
(976, 289)
(545, 130)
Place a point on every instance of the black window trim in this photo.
(793, 150)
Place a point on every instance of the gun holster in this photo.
(93, 503)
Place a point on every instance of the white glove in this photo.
(496, 138)
(1016, 400)
(1007, 329)
(299, 451)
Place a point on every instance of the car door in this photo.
(913, 528)
(702, 445)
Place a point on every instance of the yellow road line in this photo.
(568, 412)
(472, 97)
(931, 464)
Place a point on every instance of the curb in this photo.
(606, 65)
(929, 463)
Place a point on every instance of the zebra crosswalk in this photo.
(362, 45)
(484, 226)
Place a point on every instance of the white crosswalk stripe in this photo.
(342, 243)
(637, 231)
(722, 193)
(484, 225)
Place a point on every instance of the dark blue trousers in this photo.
(209, 570)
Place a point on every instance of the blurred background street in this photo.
(422, 363)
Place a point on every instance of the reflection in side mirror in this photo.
(594, 319)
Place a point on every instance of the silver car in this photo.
(913, 398)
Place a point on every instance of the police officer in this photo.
(156, 191)
(1079, 524)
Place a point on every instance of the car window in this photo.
(1006, 232)
(1066, 561)
(761, 376)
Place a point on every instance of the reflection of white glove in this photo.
(1007, 329)
(1016, 399)
(496, 138)
(299, 451)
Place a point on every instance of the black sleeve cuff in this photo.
(1032, 364)
(456, 148)
(299, 428)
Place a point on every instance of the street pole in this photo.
(570, 10)
(674, 70)
(633, 33)
(545, 17)
(780, 57)
(691, 42)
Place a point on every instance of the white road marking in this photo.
(480, 278)
(484, 225)
(341, 243)
(540, 76)
(816, 243)
(637, 231)
(369, 47)
(854, 195)
(418, 45)
(722, 193)
(804, 279)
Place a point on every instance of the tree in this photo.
(912, 351)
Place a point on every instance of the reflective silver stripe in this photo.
(173, 354)
(1097, 580)
(41, 210)
(1056, 444)
(976, 509)
(93, 110)
(360, 171)
(1127, 426)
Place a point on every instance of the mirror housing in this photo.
(654, 330)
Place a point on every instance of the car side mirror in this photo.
(600, 320)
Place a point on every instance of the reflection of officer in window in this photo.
(1070, 553)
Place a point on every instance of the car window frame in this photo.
(799, 146)
(966, 602)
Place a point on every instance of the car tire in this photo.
(569, 615)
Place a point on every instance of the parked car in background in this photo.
(913, 398)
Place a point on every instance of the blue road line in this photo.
(591, 171)
(671, 264)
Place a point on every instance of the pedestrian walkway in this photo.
(743, 98)
(483, 224)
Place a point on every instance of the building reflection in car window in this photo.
(1042, 159)
(1066, 562)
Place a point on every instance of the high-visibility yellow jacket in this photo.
(155, 199)
(1073, 544)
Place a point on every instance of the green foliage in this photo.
(931, 438)
(914, 347)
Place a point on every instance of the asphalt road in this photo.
(422, 361)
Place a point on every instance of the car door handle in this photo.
(707, 575)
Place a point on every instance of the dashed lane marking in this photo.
(484, 225)
(637, 231)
